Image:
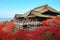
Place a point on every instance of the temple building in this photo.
(36, 15)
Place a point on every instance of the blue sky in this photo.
(8, 8)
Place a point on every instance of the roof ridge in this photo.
(41, 6)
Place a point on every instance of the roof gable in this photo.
(44, 8)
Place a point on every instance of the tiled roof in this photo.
(38, 11)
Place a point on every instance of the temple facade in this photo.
(34, 17)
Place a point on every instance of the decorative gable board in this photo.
(31, 14)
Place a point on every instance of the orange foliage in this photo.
(52, 22)
(40, 33)
(7, 26)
